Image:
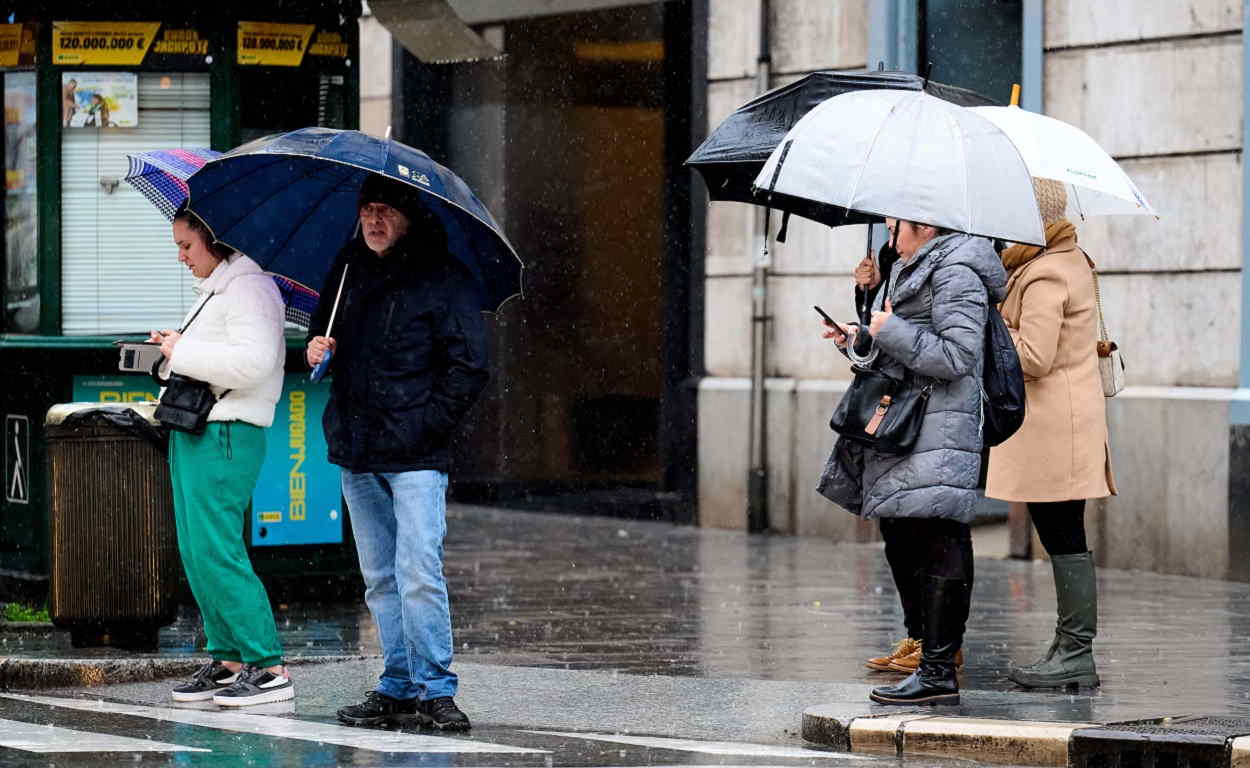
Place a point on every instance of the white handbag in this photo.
(1110, 364)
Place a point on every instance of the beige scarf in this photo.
(1056, 231)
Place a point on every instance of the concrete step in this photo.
(986, 740)
(1183, 741)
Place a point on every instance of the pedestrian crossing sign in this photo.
(16, 458)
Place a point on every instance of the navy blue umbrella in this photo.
(289, 202)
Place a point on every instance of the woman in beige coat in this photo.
(1059, 457)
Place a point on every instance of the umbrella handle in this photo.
(320, 369)
(339, 295)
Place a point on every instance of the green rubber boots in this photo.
(1070, 660)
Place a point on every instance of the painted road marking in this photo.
(33, 737)
(284, 727)
(706, 747)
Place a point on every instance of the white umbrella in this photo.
(1053, 149)
(906, 155)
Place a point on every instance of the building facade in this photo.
(1159, 86)
(623, 380)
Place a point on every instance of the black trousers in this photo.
(1060, 525)
(920, 547)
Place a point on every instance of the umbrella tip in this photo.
(1015, 94)
(388, 131)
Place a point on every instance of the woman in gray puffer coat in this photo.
(932, 325)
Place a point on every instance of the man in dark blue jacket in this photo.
(409, 360)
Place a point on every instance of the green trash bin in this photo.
(113, 550)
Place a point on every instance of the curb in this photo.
(27, 626)
(1239, 752)
(1012, 742)
(28, 674)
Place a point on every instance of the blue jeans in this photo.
(399, 520)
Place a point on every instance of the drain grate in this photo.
(1172, 742)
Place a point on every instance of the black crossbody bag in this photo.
(186, 402)
(882, 411)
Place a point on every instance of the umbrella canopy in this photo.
(904, 154)
(1053, 149)
(731, 157)
(289, 201)
(161, 175)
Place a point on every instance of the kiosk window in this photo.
(21, 259)
(119, 267)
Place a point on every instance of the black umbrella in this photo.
(733, 155)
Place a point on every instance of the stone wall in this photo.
(1160, 87)
(812, 267)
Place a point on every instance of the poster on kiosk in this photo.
(298, 496)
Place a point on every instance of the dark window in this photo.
(565, 141)
(275, 100)
(972, 43)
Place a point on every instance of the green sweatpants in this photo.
(213, 476)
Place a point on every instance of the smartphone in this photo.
(840, 326)
(137, 356)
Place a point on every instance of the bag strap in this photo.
(156, 371)
(1102, 324)
(156, 365)
(156, 376)
(198, 310)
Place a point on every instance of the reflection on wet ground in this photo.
(588, 593)
(648, 598)
(38, 734)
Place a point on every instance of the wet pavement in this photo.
(593, 628)
(584, 718)
(588, 593)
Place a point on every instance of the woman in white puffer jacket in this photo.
(232, 339)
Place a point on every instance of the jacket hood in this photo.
(234, 266)
(975, 253)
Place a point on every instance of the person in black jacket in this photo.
(409, 360)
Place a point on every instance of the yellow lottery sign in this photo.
(181, 42)
(109, 43)
(10, 44)
(273, 45)
(329, 44)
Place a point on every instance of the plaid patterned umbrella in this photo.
(161, 176)
(300, 300)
